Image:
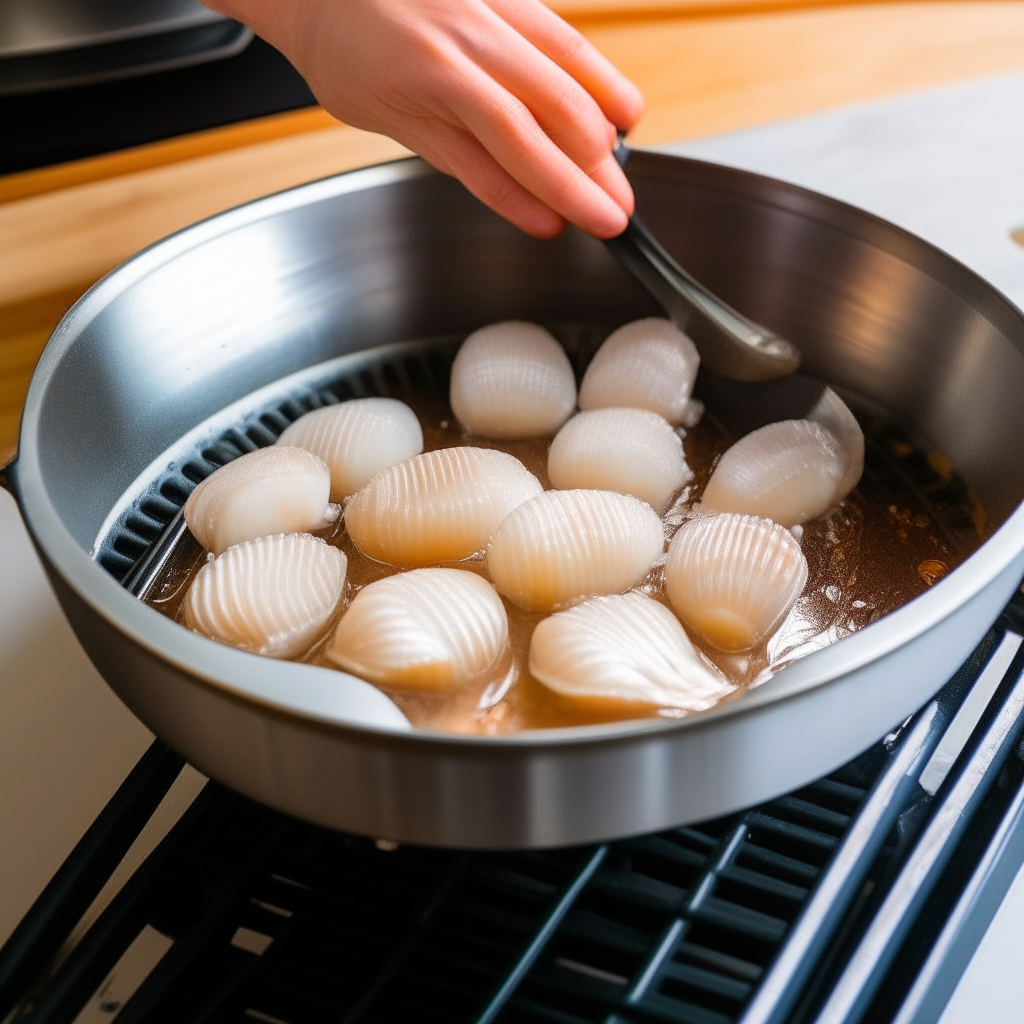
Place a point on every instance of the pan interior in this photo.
(206, 319)
(145, 542)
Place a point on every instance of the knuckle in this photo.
(572, 46)
(499, 192)
(573, 107)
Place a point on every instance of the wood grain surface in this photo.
(705, 67)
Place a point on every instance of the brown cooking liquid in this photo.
(907, 524)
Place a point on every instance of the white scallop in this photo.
(272, 490)
(733, 578)
(625, 647)
(512, 380)
(788, 471)
(271, 596)
(429, 629)
(646, 364)
(564, 545)
(357, 439)
(793, 470)
(632, 451)
(441, 506)
(832, 413)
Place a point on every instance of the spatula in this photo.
(729, 343)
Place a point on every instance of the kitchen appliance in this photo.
(87, 77)
(858, 898)
(52, 44)
(186, 353)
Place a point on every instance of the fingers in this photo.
(619, 99)
(513, 137)
(610, 176)
(566, 112)
(500, 93)
(454, 152)
(571, 119)
(522, 96)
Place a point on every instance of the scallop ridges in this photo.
(733, 577)
(628, 647)
(357, 439)
(632, 451)
(270, 596)
(646, 364)
(512, 380)
(564, 545)
(268, 491)
(789, 471)
(437, 507)
(428, 629)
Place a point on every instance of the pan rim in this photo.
(193, 655)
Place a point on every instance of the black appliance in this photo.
(56, 125)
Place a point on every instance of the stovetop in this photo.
(793, 911)
(856, 898)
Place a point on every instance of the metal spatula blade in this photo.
(729, 343)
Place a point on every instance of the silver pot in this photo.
(232, 305)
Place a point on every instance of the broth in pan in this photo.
(906, 523)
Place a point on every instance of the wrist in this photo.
(280, 24)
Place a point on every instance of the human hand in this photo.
(502, 94)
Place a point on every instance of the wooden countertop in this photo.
(705, 66)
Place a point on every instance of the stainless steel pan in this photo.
(239, 302)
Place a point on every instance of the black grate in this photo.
(750, 918)
(681, 926)
(358, 931)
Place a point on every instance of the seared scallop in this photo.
(627, 648)
(565, 545)
(793, 470)
(733, 578)
(441, 506)
(357, 439)
(512, 380)
(273, 595)
(632, 451)
(272, 490)
(429, 629)
(646, 364)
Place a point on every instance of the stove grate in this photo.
(757, 917)
(356, 931)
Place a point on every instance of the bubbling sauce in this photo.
(907, 523)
